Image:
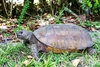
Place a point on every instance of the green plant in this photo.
(11, 55)
(96, 24)
(93, 5)
(86, 3)
(92, 24)
(60, 15)
(88, 23)
(19, 28)
(25, 7)
(5, 35)
(96, 6)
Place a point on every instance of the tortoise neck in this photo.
(33, 38)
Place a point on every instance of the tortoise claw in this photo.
(36, 58)
(91, 51)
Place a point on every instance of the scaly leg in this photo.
(91, 50)
(34, 51)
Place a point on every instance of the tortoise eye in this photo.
(21, 32)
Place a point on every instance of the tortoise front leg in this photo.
(34, 51)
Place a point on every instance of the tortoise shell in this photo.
(64, 37)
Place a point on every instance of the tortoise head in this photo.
(24, 34)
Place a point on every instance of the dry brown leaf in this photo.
(23, 52)
(37, 26)
(93, 29)
(1, 19)
(83, 18)
(52, 20)
(1, 36)
(42, 22)
(16, 65)
(29, 57)
(0, 24)
(16, 40)
(3, 27)
(26, 62)
(75, 62)
(44, 15)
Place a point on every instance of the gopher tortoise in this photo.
(57, 38)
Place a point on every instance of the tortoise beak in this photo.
(19, 33)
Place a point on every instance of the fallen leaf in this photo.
(37, 26)
(93, 29)
(16, 40)
(75, 62)
(42, 22)
(16, 65)
(1, 37)
(83, 18)
(44, 15)
(3, 27)
(1, 19)
(52, 20)
(23, 52)
(0, 24)
(26, 62)
(29, 57)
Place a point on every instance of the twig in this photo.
(11, 7)
(4, 7)
(25, 12)
(74, 14)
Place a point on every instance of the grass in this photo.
(14, 56)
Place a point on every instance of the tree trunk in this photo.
(4, 8)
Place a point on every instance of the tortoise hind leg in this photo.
(91, 50)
